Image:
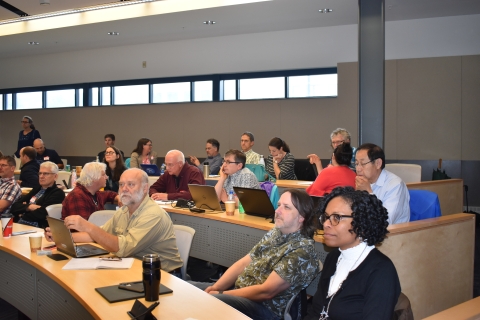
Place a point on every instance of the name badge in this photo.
(46, 158)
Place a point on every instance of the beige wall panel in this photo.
(391, 111)
(429, 108)
(470, 107)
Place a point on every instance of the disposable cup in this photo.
(230, 207)
(35, 242)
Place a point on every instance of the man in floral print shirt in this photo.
(278, 267)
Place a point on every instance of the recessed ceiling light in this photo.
(33, 43)
(325, 10)
(209, 22)
(113, 33)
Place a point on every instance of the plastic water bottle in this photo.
(96, 160)
(231, 196)
(73, 179)
(162, 169)
(261, 161)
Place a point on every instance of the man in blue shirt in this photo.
(44, 154)
(214, 158)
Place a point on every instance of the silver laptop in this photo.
(64, 241)
(255, 202)
(205, 197)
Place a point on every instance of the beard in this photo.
(128, 198)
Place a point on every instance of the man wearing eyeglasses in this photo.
(388, 187)
(173, 184)
(9, 189)
(234, 174)
(30, 209)
(337, 137)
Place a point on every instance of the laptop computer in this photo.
(64, 241)
(205, 197)
(255, 202)
(151, 169)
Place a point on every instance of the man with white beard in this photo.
(138, 228)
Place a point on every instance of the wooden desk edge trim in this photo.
(54, 278)
(428, 223)
(437, 182)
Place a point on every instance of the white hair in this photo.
(91, 172)
(49, 165)
(180, 157)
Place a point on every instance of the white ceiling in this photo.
(230, 20)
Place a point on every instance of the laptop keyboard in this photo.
(82, 251)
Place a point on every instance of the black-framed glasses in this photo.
(334, 218)
(109, 153)
(229, 162)
(363, 164)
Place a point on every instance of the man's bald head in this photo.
(39, 146)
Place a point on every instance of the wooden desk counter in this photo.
(297, 184)
(39, 287)
(469, 310)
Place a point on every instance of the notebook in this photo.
(64, 241)
(151, 169)
(205, 197)
(255, 202)
(114, 294)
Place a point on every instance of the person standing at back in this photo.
(27, 135)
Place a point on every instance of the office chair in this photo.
(55, 211)
(409, 173)
(184, 235)
(99, 218)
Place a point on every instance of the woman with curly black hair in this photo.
(357, 281)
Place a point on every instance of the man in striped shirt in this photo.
(246, 142)
(9, 190)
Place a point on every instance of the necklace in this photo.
(324, 313)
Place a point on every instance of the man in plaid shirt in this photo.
(9, 190)
(86, 197)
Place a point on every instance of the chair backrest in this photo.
(258, 170)
(65, 161)
(55, 211)
(63, 175)
(99, 217)
(127, 163)
(403, 309)
(18, 163)
(152, 180)
(272, 191)
(184, 237)
(424, 204)
(409, 173)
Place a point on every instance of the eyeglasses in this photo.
(336, 218)
(337, 142)
(109, 153)
(148, 145)
(5, 165)
(45, 173)
(229, 162)
(358, 164)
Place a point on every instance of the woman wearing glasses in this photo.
(337, 175)
(27, 135)
(115, 167)
(143, 154)
(357, 281)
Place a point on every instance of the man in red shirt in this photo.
(86, 197)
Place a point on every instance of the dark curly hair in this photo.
(343, 154)
(304, 204)
(370, 218)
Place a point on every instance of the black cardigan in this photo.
(53, 195)
(369, 292)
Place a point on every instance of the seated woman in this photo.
(143, 154)
(338, 174)
(357, 281)
(30, 209)
(115, 167)
(280, 163)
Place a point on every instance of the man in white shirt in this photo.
(374, 178)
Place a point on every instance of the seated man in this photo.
(9, 190)
(138, 228)
(374, 178)
(173, 184)
(31, 208)
(246, 142)
(214, 158)
(86, 197)
(30, 167)
(109, 142)
(337, 137)
(233, 174)
(278, 267)
(44, 154)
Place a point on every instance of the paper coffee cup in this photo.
(35, 242)
(230, 207)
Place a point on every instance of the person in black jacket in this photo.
(30, 166)
(31, 208)
(357, 281)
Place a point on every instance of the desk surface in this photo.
(297, 184)
(469, 310)
(186, 301)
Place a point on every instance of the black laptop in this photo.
(255, 202)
